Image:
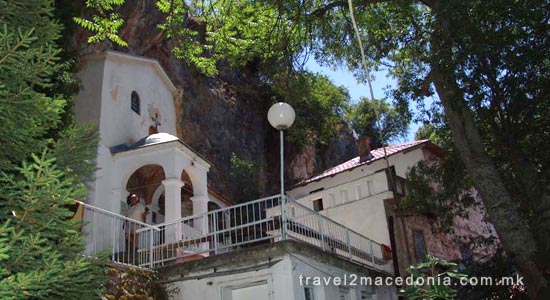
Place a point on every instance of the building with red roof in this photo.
(357, 194)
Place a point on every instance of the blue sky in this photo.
(341, 76)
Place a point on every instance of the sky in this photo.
(342, 77)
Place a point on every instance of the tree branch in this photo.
(321, 11)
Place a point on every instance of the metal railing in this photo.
(121, 239)
(217, 231)
(224, 230)
(307, 225)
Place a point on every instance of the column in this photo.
(200, 207)
(172, 200)
(200, 210)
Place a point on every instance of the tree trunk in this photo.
(535, 199)
(515, 235)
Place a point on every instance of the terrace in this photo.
(225, 230)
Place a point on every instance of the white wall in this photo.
(108, 80)
(276, 277)
(119, 123)
(88, 102)
(355, 198)
(281, 282)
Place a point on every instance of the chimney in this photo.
(363, 144)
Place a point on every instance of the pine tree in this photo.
(43, 159)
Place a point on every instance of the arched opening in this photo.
(158, 206)
(135, 102)
(186, 195)
(158, 201)
(145, 182)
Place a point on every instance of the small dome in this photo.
(161, 137)
(156, 138)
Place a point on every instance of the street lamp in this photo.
(281, 116)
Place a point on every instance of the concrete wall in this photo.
(212, 288)
(355, 198)
(357, 204)
(303, 266)
(281, 282)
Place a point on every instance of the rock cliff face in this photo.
(223, 115)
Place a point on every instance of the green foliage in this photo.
(39, 242)
(235, 31)
(105, 22)
(26, 63)
(40, 247)
(75, 150)
(375, 117)
(204, 33)
(505, 72)
(444, 272)
(319, 105)
(428, 132)
(441, 187)
(244, 176)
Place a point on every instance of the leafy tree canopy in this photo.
(378, 119)
(43, 159)
(321, 104)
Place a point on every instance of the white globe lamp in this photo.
(281, 116)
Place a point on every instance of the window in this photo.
(467, 255)
(308, 293)
(318, 205)
(399, 183)
(365, 295)
(135, 102)
(370, 187)
(332, 199)
(344, 196)
(344, 293)
(358, 190)
(368, 293)
(419, 245)
(400, 186)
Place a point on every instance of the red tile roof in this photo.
(354, 162)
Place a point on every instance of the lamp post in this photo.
(281, 116)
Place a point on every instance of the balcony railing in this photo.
(120, 238)
(224, 230)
